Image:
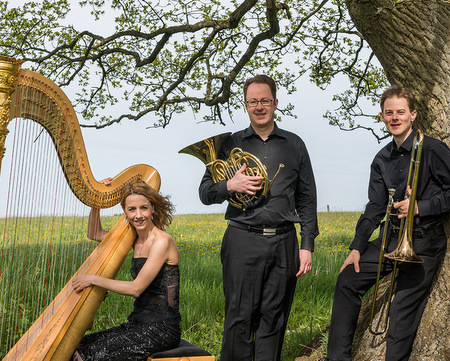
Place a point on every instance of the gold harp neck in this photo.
(55, 113)
(207, 149)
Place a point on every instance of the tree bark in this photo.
(411, 39)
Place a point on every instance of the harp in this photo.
(57, 331)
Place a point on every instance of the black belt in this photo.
(419, 232)
(266, 231)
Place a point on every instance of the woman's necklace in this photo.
(141, 246)
(141, 243)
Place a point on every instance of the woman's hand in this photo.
(79, 283)
(106, 181)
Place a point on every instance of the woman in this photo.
(154, 323)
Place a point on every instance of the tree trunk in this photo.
(411, 39)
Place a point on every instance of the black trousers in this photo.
(259, 283)
(413, 286)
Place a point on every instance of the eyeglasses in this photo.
(264, 102)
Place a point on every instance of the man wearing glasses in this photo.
(261, 260)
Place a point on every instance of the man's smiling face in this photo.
(260, 116)
(398, 118)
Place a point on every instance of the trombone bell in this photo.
(404, 252)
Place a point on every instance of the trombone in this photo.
(404, 251)
(380, 262)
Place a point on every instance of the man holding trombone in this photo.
(419, 202)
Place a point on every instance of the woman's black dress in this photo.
(154, 324)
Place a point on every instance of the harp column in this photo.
(9, 71)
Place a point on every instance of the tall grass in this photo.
(201, 298)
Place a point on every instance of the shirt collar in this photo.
(249, 132)
(407, 145)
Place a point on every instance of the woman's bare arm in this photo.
(94, 227)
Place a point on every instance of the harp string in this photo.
(42, 236)
(35, 243)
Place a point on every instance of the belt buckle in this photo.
(269, 231)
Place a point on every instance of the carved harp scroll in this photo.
(25, 94)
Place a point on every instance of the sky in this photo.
(341, 160)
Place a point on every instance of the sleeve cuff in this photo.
(222, 189)
(424, 207)
(307, 244)
(358, 245)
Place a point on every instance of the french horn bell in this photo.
(222, 170)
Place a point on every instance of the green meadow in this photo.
(198, 237)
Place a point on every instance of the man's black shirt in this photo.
(292, 197)
(390, 169)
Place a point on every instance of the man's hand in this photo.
(305, 256)
(403, 206)
(353, 258)
(242, 183)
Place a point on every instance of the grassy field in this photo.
(201, 300)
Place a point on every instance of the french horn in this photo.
(222, 170)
